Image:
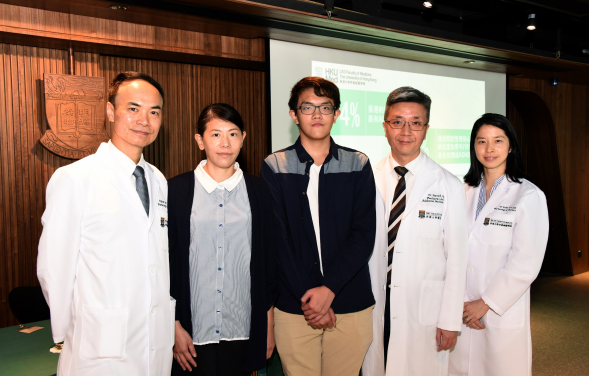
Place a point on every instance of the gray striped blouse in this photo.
(220, 253)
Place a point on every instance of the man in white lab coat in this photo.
(418, 267)
(103, 253)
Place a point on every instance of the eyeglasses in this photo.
(324, 109)
(413, 125)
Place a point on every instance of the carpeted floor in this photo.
(560, 326)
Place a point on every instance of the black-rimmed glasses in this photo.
(413, 125)
(324, 109)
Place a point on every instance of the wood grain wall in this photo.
(98, 31)
(569, 106)
(26, 166)
(536, 133)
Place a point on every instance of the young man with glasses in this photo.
(418, 267)
(324, 202)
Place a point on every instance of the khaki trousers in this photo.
(339, 351)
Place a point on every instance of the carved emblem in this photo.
(76, 110)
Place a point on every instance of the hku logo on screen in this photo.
(331, 74)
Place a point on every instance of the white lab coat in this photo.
(428, 273)
(505, 257)
(103, 267)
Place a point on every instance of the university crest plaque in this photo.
(76, 110)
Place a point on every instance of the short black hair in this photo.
(131, 76)
(409, 94)
(514, 168)
(321, 88)
(221, 111)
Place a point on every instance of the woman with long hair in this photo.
(508, 232)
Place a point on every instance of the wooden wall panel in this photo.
(26, 166)
(71, 27)
(533, 122)
(569, 106)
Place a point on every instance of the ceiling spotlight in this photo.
(428, 4)
(554, 81)
(469, 61)
(532, 21)
(118, 7)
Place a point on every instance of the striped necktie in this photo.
(397, 209)
(141, 187)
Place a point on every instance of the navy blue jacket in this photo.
(262, 264)
(347, 219)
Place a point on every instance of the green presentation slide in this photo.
(456, 104)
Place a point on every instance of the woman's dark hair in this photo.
(321, 88)
(515, 163)
(221, 111)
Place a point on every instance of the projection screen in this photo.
(459, 97)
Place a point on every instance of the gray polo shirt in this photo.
(220, 253)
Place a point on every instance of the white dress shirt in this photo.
(313, 197)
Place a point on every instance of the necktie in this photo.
(141, 187)
(397, 209)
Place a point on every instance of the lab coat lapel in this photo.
(494, 200)
(472, 196)
(153, 194)
(424, 180)
(121, 181)
(381, 170)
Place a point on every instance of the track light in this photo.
(554, 81)
(532, 21)
(428, 4)
(329, 4)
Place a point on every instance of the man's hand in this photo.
(270, 343)
(184, 351)
(326, 322)
(473, 312)
(445, 339)
(316, 302)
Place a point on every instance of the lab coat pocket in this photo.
(430, 302)
(430, 221)
(497, 229)
(104, 333)
(513, 318)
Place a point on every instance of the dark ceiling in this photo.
(562, 25)
(488, 35)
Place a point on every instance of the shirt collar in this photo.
(413, 166)
(305, 157)
(210, 185)
(495, 185)
(125, 162)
